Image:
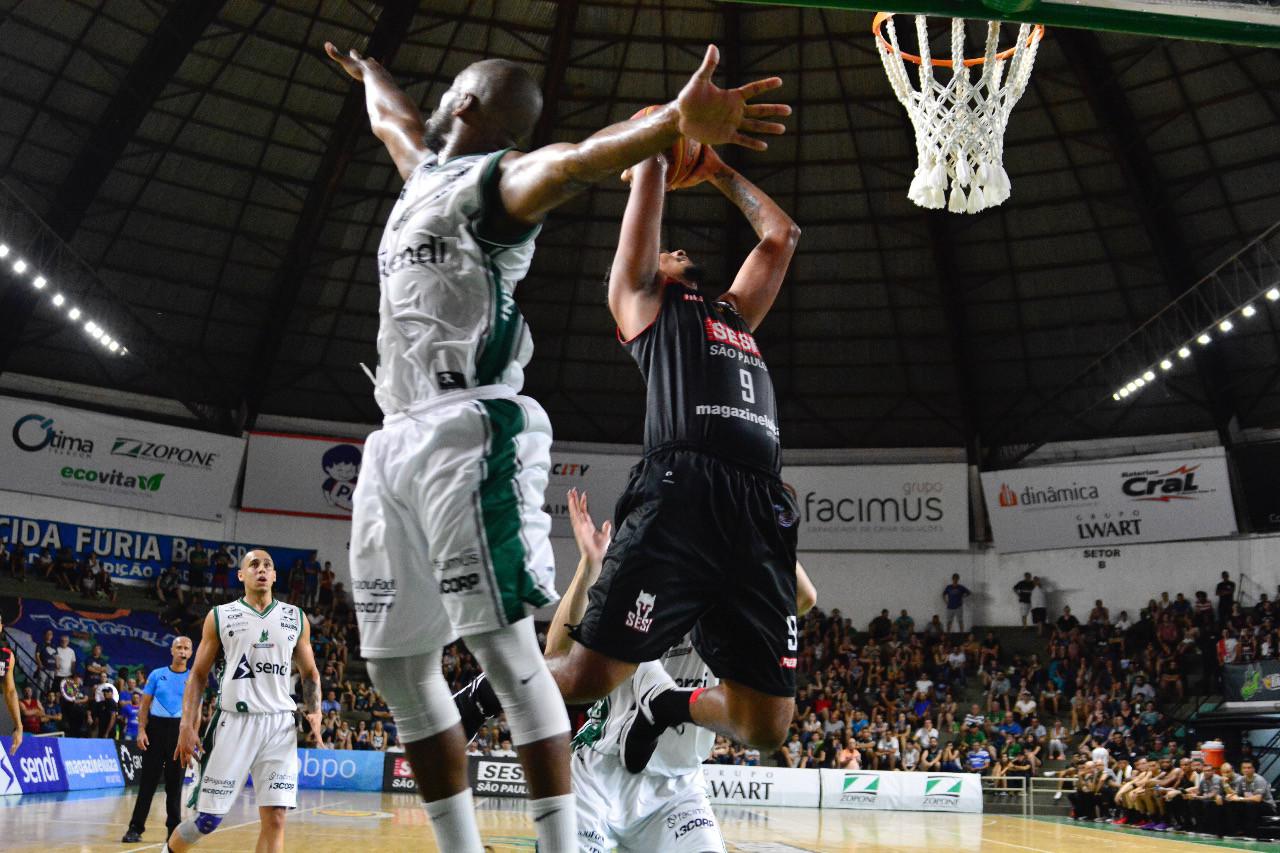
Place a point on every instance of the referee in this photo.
(160, 713)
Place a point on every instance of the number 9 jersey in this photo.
(708, 386)
(259, 652)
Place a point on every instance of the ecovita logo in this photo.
(34, 433)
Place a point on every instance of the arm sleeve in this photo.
(151, 686)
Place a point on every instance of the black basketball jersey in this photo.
(708, 386)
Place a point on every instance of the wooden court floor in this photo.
(343, 821)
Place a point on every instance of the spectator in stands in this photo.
(51, 713)
(198, 571)
(1227, 646)
(978, 759)
(327, 580)
(222, 570)
(1226, 593)
(330, 702)
(311, 582)
(1066, 622)
(880, 627)
(954, 595)
(66, 657)
(30, 711)
(887, 752)
(96, 665)
(129, 710)
(106, 704)
(1022, 592)
(903, 627)
(168, 586)
(64, 569)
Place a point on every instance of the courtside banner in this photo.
(881, 507)
(86, 456)
(306, 475)
(761, 786)
(36, 768)
(898, 791)
(130, 556)
(340, 770)
(1160, 497)
(603, 476)
(91, 763)
(496, 777)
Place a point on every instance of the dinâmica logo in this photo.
(860, 788)
(36, 432)
(113, 478)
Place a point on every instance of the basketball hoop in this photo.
(959, 125)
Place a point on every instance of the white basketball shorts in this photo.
(448, 536)
(236, 745)
(640, 812)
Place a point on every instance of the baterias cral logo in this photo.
(34, 433)
(1176, 485)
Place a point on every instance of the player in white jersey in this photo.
(448, 533)
(252, 729)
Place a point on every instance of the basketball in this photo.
(684, 155)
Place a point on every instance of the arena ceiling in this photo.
(216, 180)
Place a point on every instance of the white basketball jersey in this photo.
(259, 652)
(447, 315)
(681, 750)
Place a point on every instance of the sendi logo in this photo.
(113, 478)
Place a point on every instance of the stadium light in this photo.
(1273, 294)
(58, 299)
(113, 346)
(1183, 352)
(74, 314)
(1124, 392)
(1204, 339)
(1225, 326)
(1248, 310)
(19, 266)
(1149, 376)
(1166, 364)
(39, 282)
(4, 251)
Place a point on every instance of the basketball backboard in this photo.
(1249, 22)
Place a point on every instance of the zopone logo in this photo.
(34, 433)
(860, 788)
(135, 448)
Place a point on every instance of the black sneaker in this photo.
(476, 703)
(131, 837)
(640, 731)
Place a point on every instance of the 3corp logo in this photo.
(942, 792)
(135, 448)
(690, 820)
(640, 618)
(860, 789)
(34, 433)
(461, 584)
(1176, 485)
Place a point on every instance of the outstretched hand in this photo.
(592, 542)
(716, 116)
(352, 62)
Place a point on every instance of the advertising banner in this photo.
(1155, 498)
(86, 456)
(307, 475)
(130, 762)
(340, 770)
(603, 476)
(397, 775)
(90, 763)
(898, 791)
(132, 637)
(496, 777)
(131, 557)
(36, 768)
(882, 507)
(761, 786)
(1251, 682)
(1258, 467)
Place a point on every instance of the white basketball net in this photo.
(960, 125)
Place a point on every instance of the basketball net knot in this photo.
(960, 124)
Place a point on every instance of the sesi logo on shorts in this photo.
(787, 663)
(641, 616)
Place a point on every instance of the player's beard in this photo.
(437, 127)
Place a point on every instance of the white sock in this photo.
(556, 821)
(453, 820)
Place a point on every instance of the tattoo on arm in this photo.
(740, 193)
(311, 695)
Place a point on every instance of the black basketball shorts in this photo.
(706, 545)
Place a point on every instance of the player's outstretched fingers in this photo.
(751, 125)
(750, 90)
(749, 142)
(709, 62)
(762, 110)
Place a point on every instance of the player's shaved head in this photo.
(505, 102)
(257, 553)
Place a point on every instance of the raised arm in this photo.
(591, 548)
(806, 592)
(395, 118)
(756, 285)
(309, 676)
(197, 681)
(634, 297)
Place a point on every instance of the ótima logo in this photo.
(860, 788)
(34, 433)
(243, 669)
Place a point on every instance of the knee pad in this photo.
(192, 830)
(416, 694)
(511, 658)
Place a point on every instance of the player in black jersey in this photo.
(706, 531)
